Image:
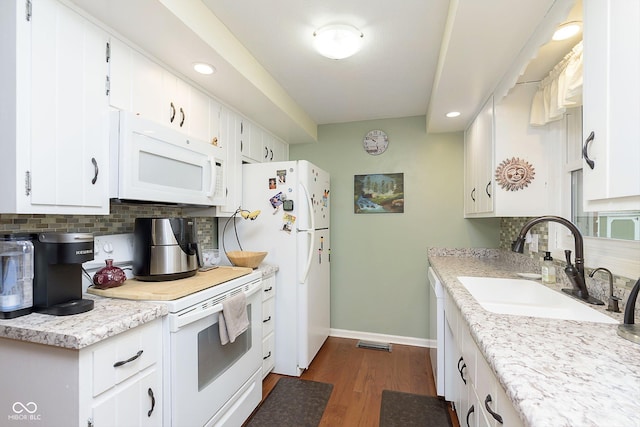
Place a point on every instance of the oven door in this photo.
(205, 374)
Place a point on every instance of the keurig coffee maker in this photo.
(58, 259)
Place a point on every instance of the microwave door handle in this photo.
(212, 164)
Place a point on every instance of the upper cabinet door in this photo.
(69, 111)
(611, 100)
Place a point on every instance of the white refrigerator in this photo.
(294, 228)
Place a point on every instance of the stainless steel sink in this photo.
(528, 298)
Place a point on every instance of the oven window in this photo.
(214, 358)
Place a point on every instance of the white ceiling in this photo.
(419, 56)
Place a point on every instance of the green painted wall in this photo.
(379, 261)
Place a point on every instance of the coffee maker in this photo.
(58, 262)
(16, 275)
(165, 249)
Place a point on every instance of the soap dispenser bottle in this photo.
(548, 269)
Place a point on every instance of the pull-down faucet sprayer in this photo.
(574, 274)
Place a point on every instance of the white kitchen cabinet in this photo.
(141, 86)
(274, 150)
(611, 105)
(268, 323)
(478, 397)
(126, 378)
(479, 163)
(250, 140)
(54, 120)
(117, 381)
(233, 169)
(498, 143)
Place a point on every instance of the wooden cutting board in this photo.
(166, 291)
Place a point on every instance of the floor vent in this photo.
(374, 345)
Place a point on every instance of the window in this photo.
(610, 225)
(611, 239)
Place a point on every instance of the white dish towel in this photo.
(233, 320)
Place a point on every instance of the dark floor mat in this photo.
(293, 403)
(405, 409)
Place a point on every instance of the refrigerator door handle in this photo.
(310, 231)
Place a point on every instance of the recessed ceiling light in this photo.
(452, 114)
(337, 41)
(567, 30)
(203, 68)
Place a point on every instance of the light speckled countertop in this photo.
(109, 317)
(556, 372)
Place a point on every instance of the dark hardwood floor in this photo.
(359, 375)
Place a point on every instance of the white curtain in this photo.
(560, 90)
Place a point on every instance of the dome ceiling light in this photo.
(567, 30)
(204, 68)
(338, 41)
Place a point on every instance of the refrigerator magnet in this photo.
(287, 205)
(288, 221)
(272, 183)
(277, 200)
(282, 176)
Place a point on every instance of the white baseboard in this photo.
(395, 339)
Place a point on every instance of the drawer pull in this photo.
(270, 288)
(131, 359)
(495, 415)
(461, 368)
(153, 402)
(469, 412)
(267, 356)
(267, 319)
(464, 365)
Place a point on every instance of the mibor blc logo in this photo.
(24, 412)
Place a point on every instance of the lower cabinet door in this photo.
(134, 403)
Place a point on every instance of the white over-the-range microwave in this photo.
(153, 163)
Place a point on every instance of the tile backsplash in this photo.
(120, 220)
(509, 230)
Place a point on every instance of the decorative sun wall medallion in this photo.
(514, 174)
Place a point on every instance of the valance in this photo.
(561, 89)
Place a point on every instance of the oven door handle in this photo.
(176, 322)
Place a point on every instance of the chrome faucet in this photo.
(574, 274)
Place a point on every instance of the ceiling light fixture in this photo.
(567, 30)
(452, 114)
(338, 41)
(203, 68)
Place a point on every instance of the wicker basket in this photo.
(246, 258)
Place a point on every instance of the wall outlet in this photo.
(533, 245)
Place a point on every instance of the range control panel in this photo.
(118, 247)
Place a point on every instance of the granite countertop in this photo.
(556, 372)
(109, 317)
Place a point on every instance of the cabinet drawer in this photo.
(268, 287)
(118, 358)
(268, 310)
(268, 358)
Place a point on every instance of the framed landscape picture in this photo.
(378, 193)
